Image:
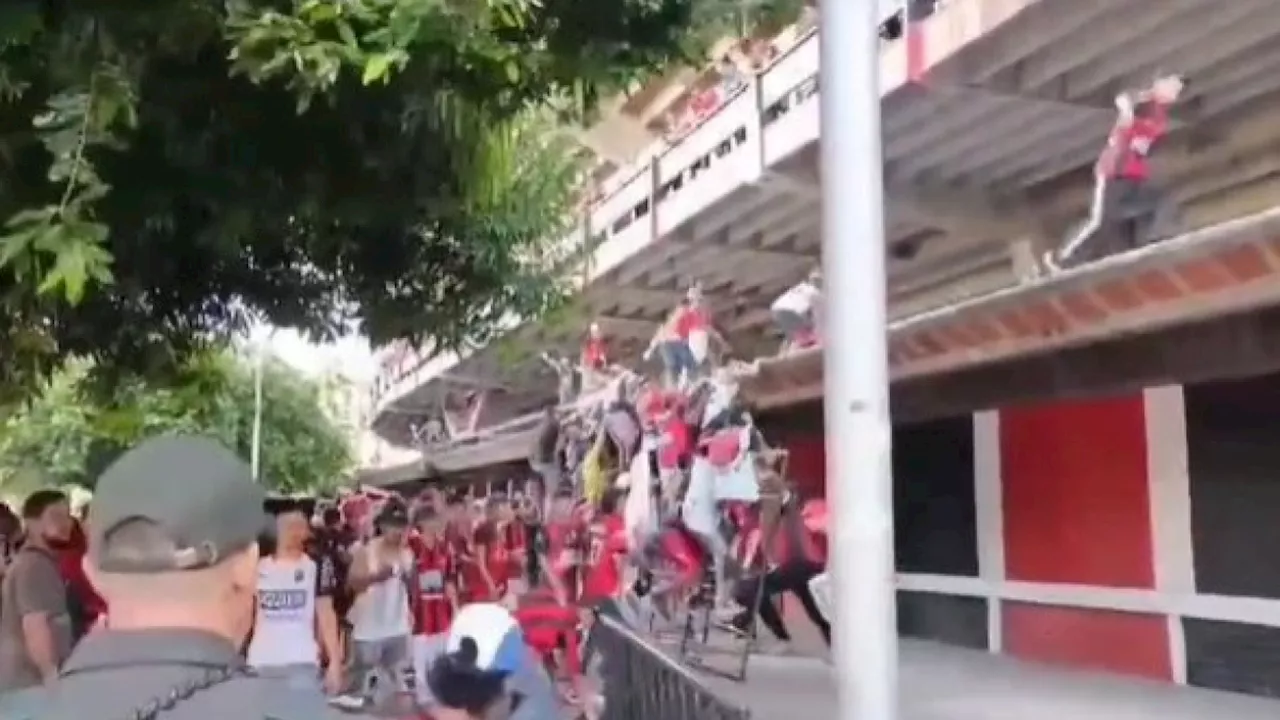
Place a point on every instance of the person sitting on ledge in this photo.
(795, 313)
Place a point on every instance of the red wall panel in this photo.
(1114, 642)
(1076, 493)
(807, 464)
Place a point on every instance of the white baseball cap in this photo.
(499, 641)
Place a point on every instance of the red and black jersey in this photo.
(515, 538)
(458, 540)
(548, 626)
(607, 544)
(566, 551)
(595, 354)
(491, 549)
(799, 536)
(437, 581)
(1130, 145)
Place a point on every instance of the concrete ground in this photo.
(944, 683)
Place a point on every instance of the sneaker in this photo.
(729, 627)
(727, 611)
(349, 702)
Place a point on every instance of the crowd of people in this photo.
(358, 600)
(355, 602)
(174, 591)
(700, 489)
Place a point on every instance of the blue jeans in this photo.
(677, 357)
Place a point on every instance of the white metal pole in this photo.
(856, 385)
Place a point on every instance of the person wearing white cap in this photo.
(488, 671)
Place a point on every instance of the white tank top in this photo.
(382, 610)
(285, 631)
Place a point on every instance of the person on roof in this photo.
(567, 380)
(684, 340)
(1123, 190)
(694, 326)
(732, 79)
(677, 361)
(795, 313)
(594, 358)
(544, 455)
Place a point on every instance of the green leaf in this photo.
(376, 68)
(347, 34)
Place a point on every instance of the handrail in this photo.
(702, 121)
(641, 682)
(793, 49)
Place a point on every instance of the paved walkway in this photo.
(944, 683)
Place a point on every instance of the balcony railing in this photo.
(773, 117)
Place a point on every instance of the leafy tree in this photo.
(173, 166)
(72, 436)
(714, 20)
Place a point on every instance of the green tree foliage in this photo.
(714, 20)
(71, 436)
(171, 166)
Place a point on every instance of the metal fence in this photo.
(641, 682)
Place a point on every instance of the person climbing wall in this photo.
(1123, 188)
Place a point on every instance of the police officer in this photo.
(173, 552)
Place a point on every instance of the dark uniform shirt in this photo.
(184, 674)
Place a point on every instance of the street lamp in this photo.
(856, 382)
(260, 346)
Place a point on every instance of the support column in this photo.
(1170, 496)
(988, 497)
(856, 382)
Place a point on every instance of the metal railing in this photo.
(641, 682)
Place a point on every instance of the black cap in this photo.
(199, 492)
(394, 515)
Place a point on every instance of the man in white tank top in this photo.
(295, 616)
(382, 571)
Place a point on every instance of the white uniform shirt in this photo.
(285, 630)
(800, 299)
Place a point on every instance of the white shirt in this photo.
(382, 610)
(285, 630)
(800, 299)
